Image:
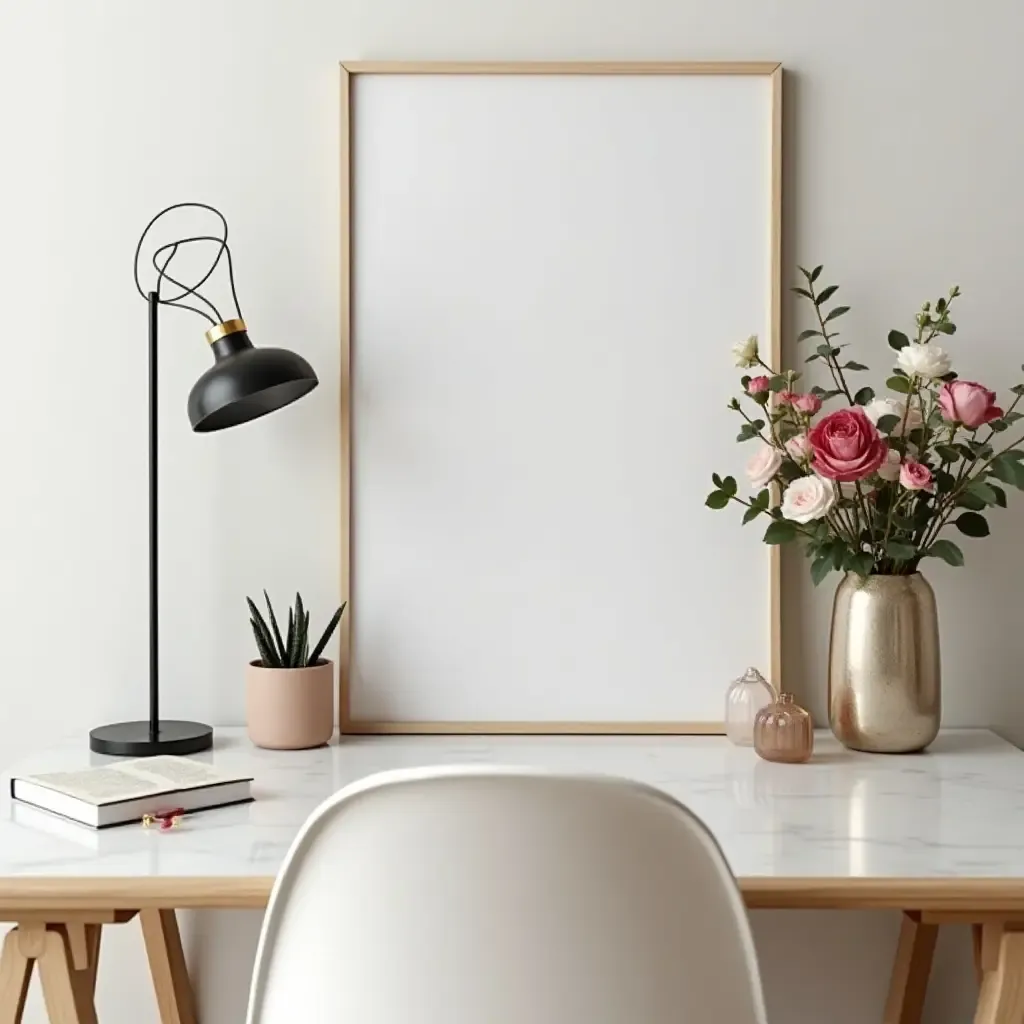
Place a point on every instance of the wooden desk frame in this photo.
(59, 926)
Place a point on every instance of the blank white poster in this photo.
(548, 272)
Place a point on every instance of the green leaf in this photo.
(838, 554)
(900, 551)
(804, 292)
(985, 491)
(780, 532)
(717, 499)
(999, 425)
(299, 638)
(763, 500)
(761, 398)
(1014, 454)
(940, 305)
(864, 396)
(971, 501)
(1018, 389)
(825, 351)
(851, 365)
(1008, 470)
(946, 327)
(816, 273)
(820, 568)
(777, 383)
(888, 423)
(826, 293)
(804, 335)
(898, 340)
(971, 524)
(729, 486)
(751, 514)
(1000, 495)
(898, 384)
(837, 312)
(947, 452)
(1012, 417)
(861, 563)
(810, 359)
(716, 479)
(291, 631)
(947, 551)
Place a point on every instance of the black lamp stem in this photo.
(154, 557)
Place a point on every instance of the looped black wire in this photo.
(174, 247)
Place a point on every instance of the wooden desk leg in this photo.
(15, 974)
(1001, 999)
(910, 970)
(167, 965)
(67, 991)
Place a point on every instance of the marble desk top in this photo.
(956, 812)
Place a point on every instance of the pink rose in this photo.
(847, 446)
(758, 385)
(799, 448)
(966, 402)
(785, 397)
(915, 476)
(808, 404)
(763, 465)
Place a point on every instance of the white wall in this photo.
(903, 173)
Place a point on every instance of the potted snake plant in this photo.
(290, 687)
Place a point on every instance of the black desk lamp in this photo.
(243, 383)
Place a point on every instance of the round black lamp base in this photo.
(133, 739)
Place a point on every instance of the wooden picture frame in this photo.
(351, 74)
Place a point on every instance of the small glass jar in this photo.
(744, 698)
(783, 731)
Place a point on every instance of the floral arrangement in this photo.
(871, 487)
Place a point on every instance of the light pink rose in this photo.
(807, 404)
(807, 498)
(890, 469)
(758, 385)
(916, 476)
(799, 448)
(969, 403)
(763, 465)
(847, 445)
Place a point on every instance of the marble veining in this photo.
(956, 811)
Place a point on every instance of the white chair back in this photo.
(503, 896)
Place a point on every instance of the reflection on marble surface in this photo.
(956, 811)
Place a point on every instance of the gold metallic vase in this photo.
(883, 675)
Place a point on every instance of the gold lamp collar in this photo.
(224, 329)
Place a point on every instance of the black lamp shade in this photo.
(245, 382)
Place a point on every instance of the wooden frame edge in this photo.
(773, 70)
(540, 67)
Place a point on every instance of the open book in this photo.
(118, 793)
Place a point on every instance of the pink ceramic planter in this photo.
(290, 708)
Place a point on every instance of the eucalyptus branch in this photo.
(830, 361)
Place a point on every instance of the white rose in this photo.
(806, 499)
(890, 469)
(745, 353)
(799, 448)
(923, 361)
(763, 465)
(894, 407)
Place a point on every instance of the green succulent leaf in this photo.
(326, 636)
(278, 640)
